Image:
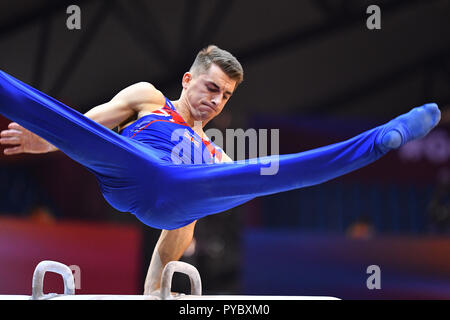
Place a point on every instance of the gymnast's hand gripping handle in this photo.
(52, 266)
(182, 267)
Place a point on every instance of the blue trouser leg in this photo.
(115, 160)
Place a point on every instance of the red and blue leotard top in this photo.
(157, 131)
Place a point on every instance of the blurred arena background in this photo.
(314, 71)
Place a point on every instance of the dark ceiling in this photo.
(300, 57)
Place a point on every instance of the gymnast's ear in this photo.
(187, 77)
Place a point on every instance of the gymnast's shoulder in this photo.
(142, 94)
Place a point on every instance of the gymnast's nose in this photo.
(216, 100)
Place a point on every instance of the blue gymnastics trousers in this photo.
(134, 177)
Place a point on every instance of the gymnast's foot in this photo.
(410, 126)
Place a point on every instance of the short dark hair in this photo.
(222, 58)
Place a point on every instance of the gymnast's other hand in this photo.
(23, 141)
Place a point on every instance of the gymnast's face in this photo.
(207, 92)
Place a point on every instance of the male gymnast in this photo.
(138, 170)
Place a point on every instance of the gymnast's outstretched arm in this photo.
(127, 105)
(170, 247)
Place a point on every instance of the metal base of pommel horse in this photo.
(164, 294)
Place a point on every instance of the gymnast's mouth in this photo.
(210, 106)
